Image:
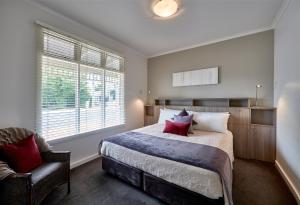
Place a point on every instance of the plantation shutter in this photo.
(81, 87)
(92, 109)
(114, 95)
(58, 46)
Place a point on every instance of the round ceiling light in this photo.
(165, 8)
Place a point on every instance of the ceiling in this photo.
(198, 21)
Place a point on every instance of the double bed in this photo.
(163, 176)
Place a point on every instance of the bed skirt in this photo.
(159, 188)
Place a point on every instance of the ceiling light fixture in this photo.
(165, 8)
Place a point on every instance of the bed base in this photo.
(156, 187)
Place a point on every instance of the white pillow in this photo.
(167, 114)
(211, 121)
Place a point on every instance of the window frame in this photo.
(83, 43)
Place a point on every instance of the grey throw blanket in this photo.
(14, 135)
(203, 156)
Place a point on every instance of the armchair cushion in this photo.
(47, 176)
(45, 171)
(24, 155)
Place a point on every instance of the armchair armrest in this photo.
(16, 187)
(56, 156)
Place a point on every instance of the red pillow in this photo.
(178, 128)
(24, 156)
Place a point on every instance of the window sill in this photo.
(85, 134)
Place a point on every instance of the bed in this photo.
(174, 182)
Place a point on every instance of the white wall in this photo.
(287, 93)
(18, 72)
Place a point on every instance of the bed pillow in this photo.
(24, 156)
(183, 113)
(211, 121)
(186, 119)
(178, 128)
(167, 114)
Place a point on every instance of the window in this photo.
(81, 87)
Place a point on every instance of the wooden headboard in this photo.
(240, 122)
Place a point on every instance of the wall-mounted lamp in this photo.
(150, 98)
(256, 94)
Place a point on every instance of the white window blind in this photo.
(81, 87)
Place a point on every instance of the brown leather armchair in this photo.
(32, 188)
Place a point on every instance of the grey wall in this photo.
(18, 57)
(287, 95)
(243, 62)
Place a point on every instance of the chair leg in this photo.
(69, 186)
(69, 180)
(30, 199)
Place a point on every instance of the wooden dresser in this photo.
(253, 128)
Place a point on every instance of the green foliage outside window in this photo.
(59, 92)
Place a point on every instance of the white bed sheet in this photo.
(193, 178)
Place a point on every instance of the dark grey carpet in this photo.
(255, 183)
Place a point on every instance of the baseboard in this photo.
(289, 182)
(84, 160)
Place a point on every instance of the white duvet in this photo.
(193, 178)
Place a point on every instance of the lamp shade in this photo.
(165, 8)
